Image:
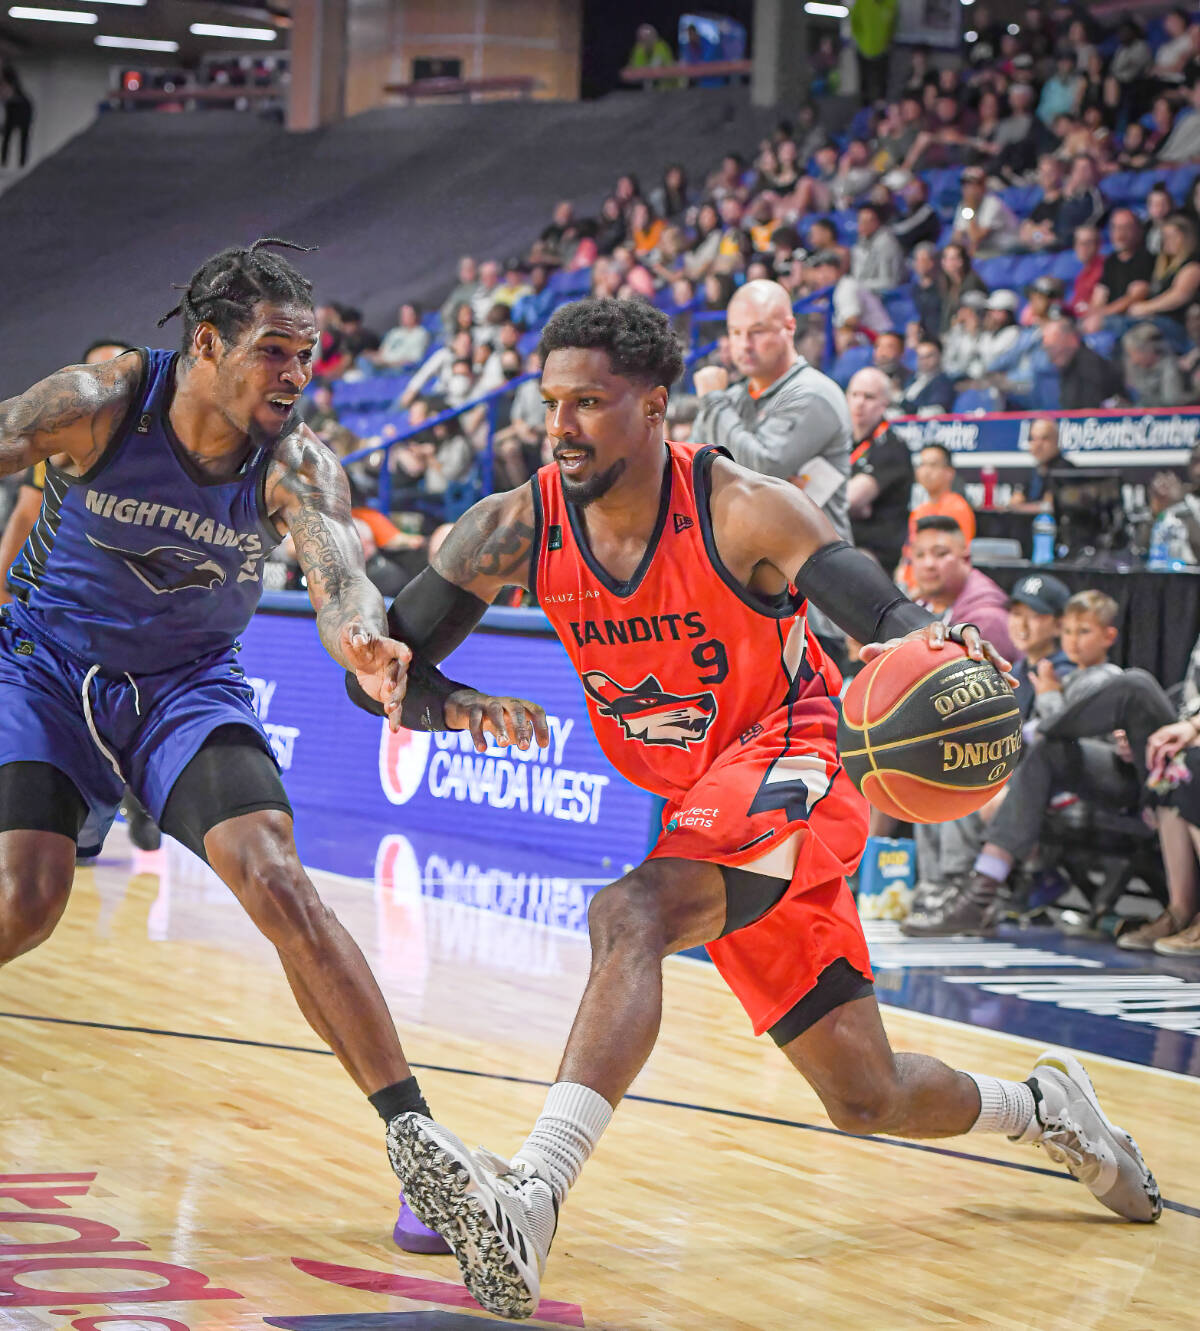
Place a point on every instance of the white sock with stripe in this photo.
(1004, 1106)
(565, 1135)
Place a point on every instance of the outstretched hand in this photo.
(936, 635)
(507, 720)
(380, 666)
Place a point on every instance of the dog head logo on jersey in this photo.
(168, 568)
(648, 714)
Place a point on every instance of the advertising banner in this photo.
(353, 783)
(1131, 441)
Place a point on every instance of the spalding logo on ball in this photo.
(929, 735)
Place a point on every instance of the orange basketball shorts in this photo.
(779, 804)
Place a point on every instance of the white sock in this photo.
(995, 866)
(565, 1135)
(1004, 1106)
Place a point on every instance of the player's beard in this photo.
(583, 493)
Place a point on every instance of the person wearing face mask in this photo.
(460, 383)
(438, 370)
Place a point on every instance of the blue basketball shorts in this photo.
(107, 731)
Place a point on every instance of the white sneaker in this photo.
(1070, 1126)
(498, 1219)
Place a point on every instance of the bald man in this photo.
(786, 418)
(881, 470)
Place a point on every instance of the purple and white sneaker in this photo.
(413, 1236)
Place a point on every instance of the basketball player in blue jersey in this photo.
(169, 478)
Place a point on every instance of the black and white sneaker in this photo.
(498, 1219)
(970, 912)
(1069, 1125)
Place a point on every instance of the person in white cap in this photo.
(960, 349)
(1000, 328)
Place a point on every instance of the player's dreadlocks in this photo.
(224, 290)
(638, 338)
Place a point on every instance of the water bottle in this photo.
(989, 476)
(1044, 531)
(1159, 554)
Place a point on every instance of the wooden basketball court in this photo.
(177, 1151)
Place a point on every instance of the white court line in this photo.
(1085, 1055)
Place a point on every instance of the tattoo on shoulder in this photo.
(486, 543)
(52, 409)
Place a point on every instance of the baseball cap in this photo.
(974, 173)
(1047, 286)
(824, 257)
(1004, 300)
(1041, 592)
(974, 300)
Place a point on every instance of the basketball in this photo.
(929, 735)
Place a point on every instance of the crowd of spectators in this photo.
(975, 235)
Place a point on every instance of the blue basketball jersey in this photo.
(144, 564)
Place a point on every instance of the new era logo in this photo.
(682, 522)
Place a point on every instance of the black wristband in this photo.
(858, 595)
(432, 616)
(360, 698)
(424, 706)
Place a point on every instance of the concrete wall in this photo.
(65, 88)
(492, 38)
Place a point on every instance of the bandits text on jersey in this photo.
(639, 628)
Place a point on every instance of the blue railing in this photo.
(489, 400)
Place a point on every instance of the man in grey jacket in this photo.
(786, 419)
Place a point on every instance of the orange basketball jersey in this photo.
(681, 662)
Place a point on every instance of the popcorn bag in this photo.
(886, 878)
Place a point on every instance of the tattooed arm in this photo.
(308, 495)
(73, 413)
(491, 545)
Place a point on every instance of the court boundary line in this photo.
(1109, 1059)
(741, 1114)
(887, 1006)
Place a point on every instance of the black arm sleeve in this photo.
(432, 616)
(858, 595)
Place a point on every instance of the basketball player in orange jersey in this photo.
(677, 582)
